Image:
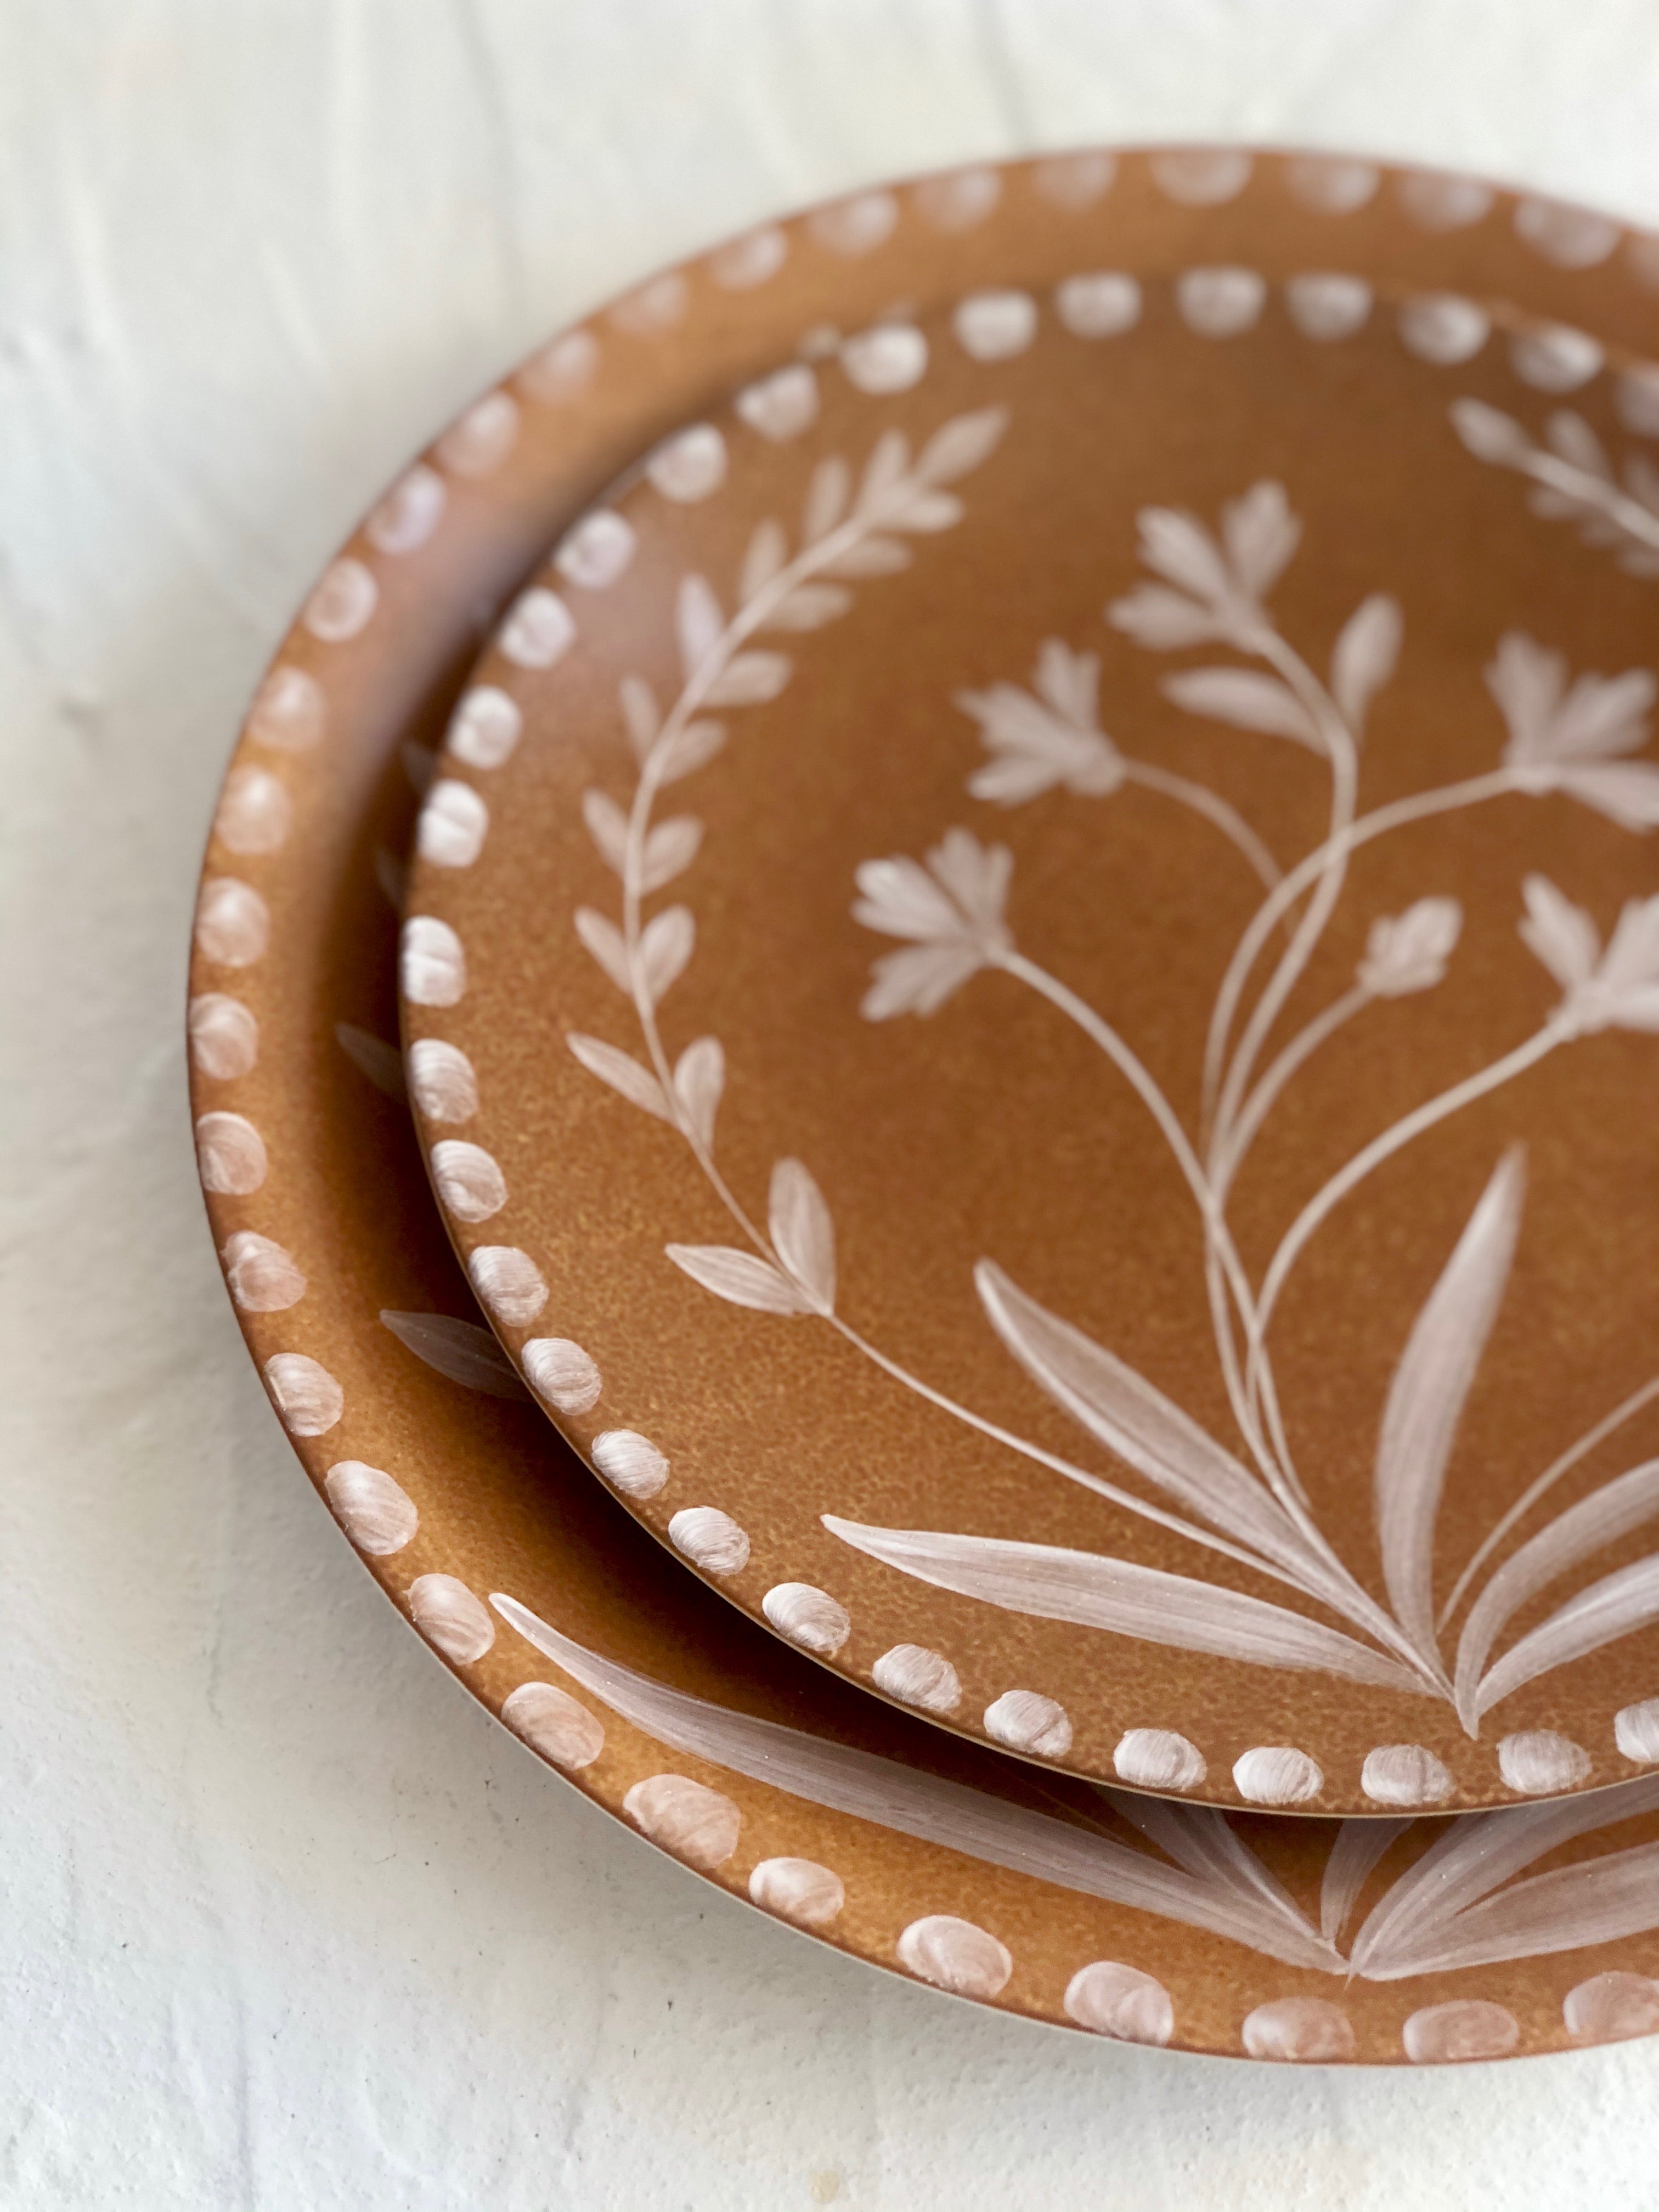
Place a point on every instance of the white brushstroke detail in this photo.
(453, 825)
(1331, 185)
(699, 1085)
(1358, 1847)
(1571, 237)
(655, 307)
(1125, 1599)
(307, 1398)
(857, 226)
(432, 966)
(1158, 1759)
(1310, 2029)
(374, 1510)
(1425, 1401)
(1251, 1909)
(959, 200)
(1443, 328)
(1026, 1720)
(405, 519)
(1119, 2001)
(443, 1080)
(262, 1276)
(1404, 1774)
(469, 1183)
(254, 813)
(486, 726)
(230, 1154)
(561, 1374)
(233, 922)
(740, 1277)
(916, 1676)
(1552, 357)
(552, 1722)
(803, 1235)
(1076, 180)
(1103, 304)
(343, 604)
(1614, 1607)
(1610, 2008)
(630, 1462)
(801, 1890)
(1220, 303)
(625, 1074)
(889, 358)
(780, 406)
(1538, 1762)
(1635, 1732)
(1329, 307)
(744, 263)
(289, 712)
(955, 1955)
(711, 1540)
(509, 1283)
(1202, 176)
(689, 466)
(450, 1617)
(372, 1056)
(539, 630)
(1277, 1774)
(995, 326)
(686, 1818)
(808, 1616)
(1466, 2027)
(460, 1350)
(596, 552)
(1364, 656)
(224, 1036)
(1246, 698)
(563, 370)
(1435, 201)
(477, 443)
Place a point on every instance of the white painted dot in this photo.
(343, 603)
(1102, 304)
(1327, 306)
(1277, 1774)
(441, 1078)
(597, 551)
(890, 357)
(798, 1890)
(406, 518)
(1538, 1762)
(562, 1373)
(263, 1277)
(307, 1398)
(233, 922)
(1610, 2007)
(995, 326)
(1076, 180)
(630, 1462)
(916, 1676)
(954, 1955)
(857, 226)
(808, 1616)
(752, 260)
(1553, 358)
(450, 1617)
(224, 1035)
(375, 1511)
(289, 712)
(477, 444)
(453, 825)
(552, 1723)
(693, 1822)
(689, 466)
(1638, 391)
(508, 1283)
(485, 726)
(1220, 303)
(711, 1540)
(1120, 2002)
(1635, 1732)
(1026, 1720)
(469, 1184)
(1571, 237)
(1404, 1774)
(1309, 2029)
(539, 628)
(1201, 176)
(1331, 185)
(254, 812)
(1467, 2027)
(1442, 328)
(780, 405)
(230, 1154)
(960, 200)
(1158, 1759)
(654, 307)
(1435, 201)
(432, 966)
(561, 371)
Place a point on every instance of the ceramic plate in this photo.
(1056, 925)
(875, 1833)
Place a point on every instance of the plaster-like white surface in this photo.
(285, 1921)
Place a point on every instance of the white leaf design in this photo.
(1245, 697)
(803, 1235)
(808, 606)
(1599, 1900)
(886, 470)
(641, 717)
(1364, 656)
(1426, 1397)
(669, 851)
(605, 941)
(699, 623)
(826, 498)
(1178, 548)
(382, 1063)
(666, 945)
(691, 748)
(748, 679)
(1627, 792)
(1046, 1583)
(1558, 934)
(459, 1351)
(925, 512)
(1136, 1421)
(1616, 1606)
(607, 825)
(1489, 434)
(869, 556)
(620, 1070)
(740, 1277)
(961, 444)
(1595, 1521)
(699, 1080)
(1161, 619)
(768, 548)
(1260, 534)
(1359, 1845)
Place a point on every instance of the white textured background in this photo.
(285, 1921)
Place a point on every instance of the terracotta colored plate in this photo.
(965, 1868)
(1062, 985)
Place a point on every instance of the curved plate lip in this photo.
(232, 933)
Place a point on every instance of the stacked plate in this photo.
(1001, 1286)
